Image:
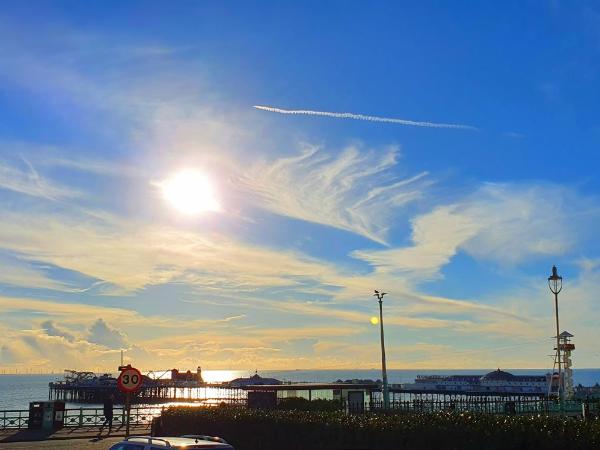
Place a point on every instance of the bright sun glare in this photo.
(190, 192)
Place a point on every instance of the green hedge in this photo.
(249, 429)
(302, 404)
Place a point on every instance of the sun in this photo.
(374, 320)
(190, 192)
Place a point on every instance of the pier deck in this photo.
(163, 391)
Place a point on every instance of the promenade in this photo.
(66, 438)
(70, 444)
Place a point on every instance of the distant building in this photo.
(359, 381)
(254, 380)
(188, 376)
(587, 392)
(497, 382)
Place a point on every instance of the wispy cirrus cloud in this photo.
(132, 255)
(368, 118)
(504, 223)
(94, 166)
(25, 179)
(17, 273)
(353, 191)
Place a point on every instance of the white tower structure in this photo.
(566, 347)
(562, 382)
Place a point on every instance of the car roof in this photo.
(191, 442)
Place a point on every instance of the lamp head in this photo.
(554, 275)
(555, 281)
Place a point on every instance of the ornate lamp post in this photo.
(555, 285)
(386, 391)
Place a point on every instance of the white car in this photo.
(187, 442)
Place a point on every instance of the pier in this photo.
(359, 396)
(159, 391)
(87, 387)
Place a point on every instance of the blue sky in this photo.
(103, 104)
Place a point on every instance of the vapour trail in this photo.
(306, 112)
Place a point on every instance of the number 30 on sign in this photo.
(129, 380)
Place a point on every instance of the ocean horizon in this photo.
(16, 391)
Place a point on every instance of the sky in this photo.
(443, 153)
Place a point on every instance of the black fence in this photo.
(508, 406)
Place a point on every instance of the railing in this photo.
(142, 415)
(14, 418)
(84, 417)
(509, 407)
(460, 405)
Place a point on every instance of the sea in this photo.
(16, 391)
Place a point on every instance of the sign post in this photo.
(130, 380)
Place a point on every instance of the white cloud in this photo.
(101, 333)
(436, 237)
(26, 180)
(132, 255)
(94, 166)
(503, 223)
(353, 191)
(53, 330)
(518, 222)
(17, 273)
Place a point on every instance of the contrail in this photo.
(413, 123)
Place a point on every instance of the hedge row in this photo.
(302, 404)
(249, 429)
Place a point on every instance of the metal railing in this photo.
(14, 418)
(84, 417)
(143, 415)
(460, 405)
(508, 407)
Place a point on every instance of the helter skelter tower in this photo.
(566, 347)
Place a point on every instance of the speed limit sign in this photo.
(129, 380)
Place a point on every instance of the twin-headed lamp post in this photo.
(385, 390)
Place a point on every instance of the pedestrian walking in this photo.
(109, 403)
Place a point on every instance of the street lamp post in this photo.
(555, 285)
(386, 391)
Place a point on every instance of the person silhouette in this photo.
(109, 402)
